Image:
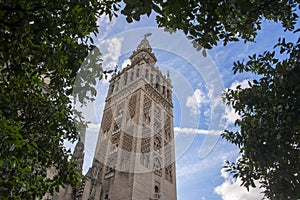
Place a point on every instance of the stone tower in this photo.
(134, 157)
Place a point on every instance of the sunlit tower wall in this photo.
(134, 157)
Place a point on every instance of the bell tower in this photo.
(134, 157)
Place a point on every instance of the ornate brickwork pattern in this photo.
(157, 144)
(127, 142)
(145, 145)
(146, 110)
(167, 153)
(167, 128)
(134, 158)
(169, 173)
(166, 103)
(146, 132)
(157, 166)
(132, 105)
(107, 120)
(157, 112)
(119, 111)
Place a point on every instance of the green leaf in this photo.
(204, 52)
(129, 19)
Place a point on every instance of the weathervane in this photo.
(147, 35)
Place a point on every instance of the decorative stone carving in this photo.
(146, 110)
(132, 105)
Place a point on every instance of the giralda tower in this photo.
(134, 157)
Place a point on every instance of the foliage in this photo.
(270, 123)
(207, 22)
(43, 44)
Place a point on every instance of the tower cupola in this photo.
(143, 52)
(144, 45)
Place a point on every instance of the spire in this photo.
(145, 43)
(143, 52)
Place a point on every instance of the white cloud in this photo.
(244, 84)
(106, 26)
(197, 131)
(125, 63)
(232, 190)
(190, 166)
(195, 101)
(111, 51)
(230, 116)
(93, 127)
(214, 96)
(189, 170)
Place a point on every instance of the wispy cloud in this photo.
(191, 166)
(94, 127)
(125, 63)
(231, 189)
(106, 27)
(230, 116)
(195, 101)
(244, 84)
(189, 170)
(214, 96)
(111, 51)
(197, 131)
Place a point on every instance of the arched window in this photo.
(132, 75)
(157, 83)
(168, 94)
(147, 75)
(147, 118)
(157, 166)
(156, 189)
(151, 78)
(145, 159)
(156, 192)
(157, 144)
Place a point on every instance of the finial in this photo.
(145, 43)
(147, 35)
(168, 74)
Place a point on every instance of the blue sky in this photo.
(199, 114)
